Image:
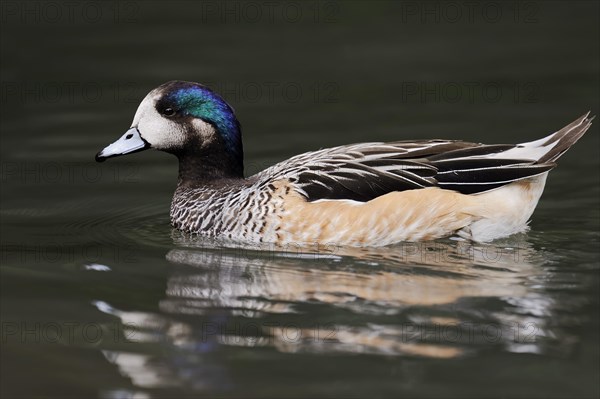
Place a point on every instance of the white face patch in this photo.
(161, 132)
(205, 130)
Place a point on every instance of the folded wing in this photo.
(361, 172)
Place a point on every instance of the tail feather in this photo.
(567, 136)
(484, 168)
(550, 148)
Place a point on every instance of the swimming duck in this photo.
(368, 194)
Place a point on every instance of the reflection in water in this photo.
(383, 281)
(438, 300)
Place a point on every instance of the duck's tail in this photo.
(506, 211)
(550, 148)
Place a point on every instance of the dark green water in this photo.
(100, 298)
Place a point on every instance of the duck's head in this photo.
(191, 121)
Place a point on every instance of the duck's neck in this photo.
(205, 168)
(210, 158)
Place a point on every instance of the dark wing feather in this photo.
(476, 150)
(477, 180)
(362, 172)
(359, 182)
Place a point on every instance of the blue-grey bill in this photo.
(130, 142)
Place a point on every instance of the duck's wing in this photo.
(365, 171)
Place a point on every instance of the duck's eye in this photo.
(168, 111)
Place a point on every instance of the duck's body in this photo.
(368, 194)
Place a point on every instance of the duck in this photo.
(358, 195)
